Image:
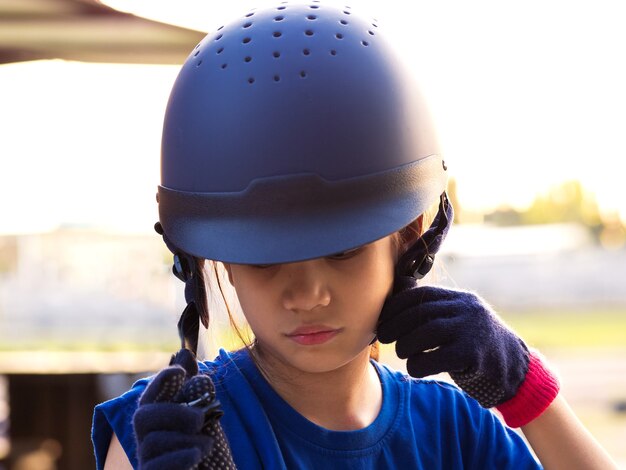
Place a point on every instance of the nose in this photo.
(306, 287)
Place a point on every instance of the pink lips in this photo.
(314, 334)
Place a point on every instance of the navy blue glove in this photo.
(176, 423)
(443, 330)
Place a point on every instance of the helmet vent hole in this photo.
(333, 52)
(199, 63)
(311, 17)
(347, 12)
(344, 22)
(314, 7)
(371, 33)
(339, 36)
(276, 54)
(219, 37)
(279, 18)
(251, 80)
(246, 40)
(248, 59)
(277, 78)
(220, 28)
(224, 66)
(306, 52)
(220, 50)
(365, 43)
(303, 74)
(309, 32)
(277, 34)
(281, 8)
(249, 15)
(196, 54)
(247, 25)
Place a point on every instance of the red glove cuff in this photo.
(539, 388)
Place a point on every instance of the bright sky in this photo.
(525, 95)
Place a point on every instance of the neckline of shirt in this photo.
(281, 414)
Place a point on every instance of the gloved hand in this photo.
(177, 421)
(444, 330)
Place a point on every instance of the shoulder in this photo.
(438, 399)
(115, 416)
(223, 362)
(443, 415)
(430, 400)
(425, 390)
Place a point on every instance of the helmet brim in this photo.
(298, 217)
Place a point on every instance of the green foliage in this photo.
(567, 202)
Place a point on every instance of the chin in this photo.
(319, 361)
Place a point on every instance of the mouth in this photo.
(312, 335)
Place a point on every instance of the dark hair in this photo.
(210, 267)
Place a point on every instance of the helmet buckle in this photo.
(181, 268)
(424, 267)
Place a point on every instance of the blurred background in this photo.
(531, 109)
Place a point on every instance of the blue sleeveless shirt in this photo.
(422, 424)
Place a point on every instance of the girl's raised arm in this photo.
(116, 457)
(560, 441)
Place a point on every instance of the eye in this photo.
(346, 254)
(262, 266)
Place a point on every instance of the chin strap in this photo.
(417, 261)
(184, 268)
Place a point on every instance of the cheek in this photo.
(255, 310)
(383, 269)
(373, 285)
(371, 288)
(247, 289)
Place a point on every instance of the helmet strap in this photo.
(188, 328)
(417, 261)
(184, 268)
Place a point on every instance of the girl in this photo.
(298, 152)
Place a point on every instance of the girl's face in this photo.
(317, 315)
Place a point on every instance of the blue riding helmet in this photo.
(294, 132)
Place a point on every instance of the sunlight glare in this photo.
(525, 96)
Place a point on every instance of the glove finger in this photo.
(418, 314)
(186, 459)
(167, 417)
(431, 335)
(161, 443)
(432, 293)
(164, 386)
(423, 294)
(389, 329)
(409, 298)
(443, 359)
(187, 360)
(198, 387)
